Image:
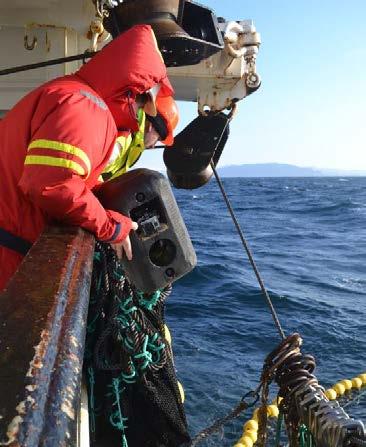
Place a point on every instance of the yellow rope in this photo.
(250, 428)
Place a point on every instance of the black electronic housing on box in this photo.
(162, 249)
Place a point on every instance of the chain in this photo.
(234, 413)
(274, 360)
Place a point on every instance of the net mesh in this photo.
(134, 399)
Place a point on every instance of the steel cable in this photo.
(61, 60)
(249, 254)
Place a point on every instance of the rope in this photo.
(251, 426)
(126, 321)
(203, 434)
(305, 437)
(339, 388)
(124, 336)
(352, 401)
(278, 429)
(249, 254)
(61, 60)
(91, 379)
(116, 419)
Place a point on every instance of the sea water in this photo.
(308, 237)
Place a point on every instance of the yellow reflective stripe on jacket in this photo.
(62, 147)
(54, 161)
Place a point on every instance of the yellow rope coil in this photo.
(250, 428)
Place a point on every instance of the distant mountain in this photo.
(281, 170)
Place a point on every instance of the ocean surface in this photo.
(308, 237)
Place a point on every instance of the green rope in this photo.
(128, 343)
(156, 349)
(126, 307)
(278, 429)
(116, 418)
(149, 302)
(118, 273)
(92, 324)
(305, 437)
(130, 333)
(91, 399)
(144, 354)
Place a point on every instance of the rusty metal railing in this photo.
(42, 333)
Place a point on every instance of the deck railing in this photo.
(42, 334)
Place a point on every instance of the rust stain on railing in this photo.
(42, 333)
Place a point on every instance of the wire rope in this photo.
(249, 254)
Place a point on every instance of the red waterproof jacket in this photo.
(56, 141)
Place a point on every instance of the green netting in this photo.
(134, 398)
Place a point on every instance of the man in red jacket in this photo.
(57, 141)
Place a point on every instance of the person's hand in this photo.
(125, 246)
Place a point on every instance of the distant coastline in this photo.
(284, 170)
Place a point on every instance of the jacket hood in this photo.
(129, 65)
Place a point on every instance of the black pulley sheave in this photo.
(188, 160)
(186, 32)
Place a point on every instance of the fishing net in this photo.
(134, 398)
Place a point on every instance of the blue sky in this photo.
(310, 109)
